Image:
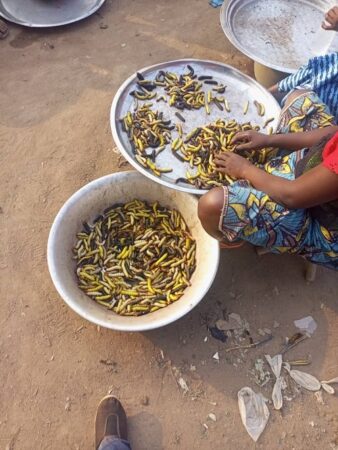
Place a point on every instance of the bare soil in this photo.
(56, 90)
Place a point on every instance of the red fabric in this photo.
(330, 154)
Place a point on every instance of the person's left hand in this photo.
(232, 164)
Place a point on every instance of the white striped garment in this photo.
(321, 75)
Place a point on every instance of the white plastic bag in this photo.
(254, 412)
(326, 385)
(303, 379)
(276, 367)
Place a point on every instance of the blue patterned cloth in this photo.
(320, 75)
(215, 3)
(251, 215)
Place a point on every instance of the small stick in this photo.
(253, 345)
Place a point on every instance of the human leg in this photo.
(114, 443)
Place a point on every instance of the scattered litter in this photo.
(303, 379)
(162, 354)
(275, 324)
(293, 341)
(212, 417)
(216, 356)
(312, 423)
(327, 388)
(108, 362)
(319, 397)
(253, 345)
(183, 385)
(123, 45)
(192, 368)
(254, 412)
(306, 324)
(98, 328)
(299, 362)
(326, 385)
(206, 339)
(213, 403)
(68, 404)
(264, 331)
(276, 367)
(206, 426)
(145, 400)
(261, 376)
(332, 381)
(218, 334)
(234, 322)
(103, 26)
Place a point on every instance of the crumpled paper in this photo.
(254, 412)
(276, 367)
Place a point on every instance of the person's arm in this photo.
(331, 19)
(274, 90)
(315, 187)
(252, 140)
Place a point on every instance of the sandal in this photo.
(111, 420)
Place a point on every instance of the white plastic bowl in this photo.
(90, 201)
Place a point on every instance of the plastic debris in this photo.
(234, 322)
(254, 412)
(212, 417)
(183, 384)
(206, 426)
(306, 324)
(218, 334)
(216, 356)
(261, 376)
(327, 388)
(332, 381)
(293, 341)
(319, 397)
(303, 379)
(276, 367)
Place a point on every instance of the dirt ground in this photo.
(56, 91)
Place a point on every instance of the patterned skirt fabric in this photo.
(251, 215)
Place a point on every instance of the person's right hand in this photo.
(331, 19)
(250, 140)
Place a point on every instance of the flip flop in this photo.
(111, 420)
(3, 30)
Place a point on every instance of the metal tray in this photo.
(47, 13)
(240, 88)
(281, 34)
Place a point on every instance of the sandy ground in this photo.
(56, 91)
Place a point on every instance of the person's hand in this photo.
(250, 140)
(331, 19)
(231, 164)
